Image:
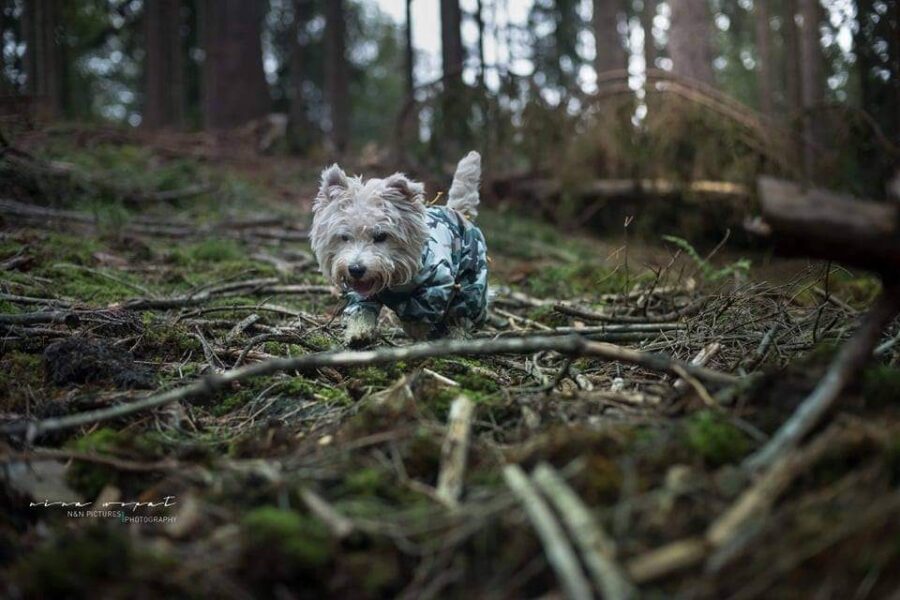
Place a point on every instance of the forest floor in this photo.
(166, 270)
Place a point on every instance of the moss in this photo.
(19, 373)
(714, 439)
(99, 286)
(209, 250)
(76, 563)
(90, 478)
(311, 389)
(379, 377)
(8, 307)
(167, 341)
(318, 341)
(291, 541)
(363, 482)
(232, 402)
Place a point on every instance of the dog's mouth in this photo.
(363, 288)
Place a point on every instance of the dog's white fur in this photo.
(379, 224)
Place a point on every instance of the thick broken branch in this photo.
(569, 345)
(821, 224)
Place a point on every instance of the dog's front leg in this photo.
(360, 328)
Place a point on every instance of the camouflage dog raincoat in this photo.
(450, 289)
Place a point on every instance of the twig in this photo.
(702, 357)
(558, 549)
(340, 526)
(844, 368)
(240, 327)
(110, 461)
(595, 545)
(591, 315)
(454, 451)
(571, 345)
(667, 559)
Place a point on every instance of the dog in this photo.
(377, 241)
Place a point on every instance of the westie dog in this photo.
(376, 240)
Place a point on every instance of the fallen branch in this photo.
(596, 547)
(592, 315)
(821, 224)
(569, 345)
(455, 450)
(557, 547)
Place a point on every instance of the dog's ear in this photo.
(399, 188)
(334, 183)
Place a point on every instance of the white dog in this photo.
(377, 241)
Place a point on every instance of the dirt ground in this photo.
(158, 267)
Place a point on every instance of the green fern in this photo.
(710, 273)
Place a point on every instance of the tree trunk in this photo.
(299, 128)
(647, 16)
(410, 62)
(337, 85)
(164, 65)
(43, 57)
(812, 78)
(451, 41)
(792, 61)
(610, 52)
(479, 20)
(690, 40)
(235, 89)
(763, 56)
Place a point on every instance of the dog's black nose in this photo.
(356, 270)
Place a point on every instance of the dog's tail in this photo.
(463, 195)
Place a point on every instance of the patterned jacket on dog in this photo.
(450, 288)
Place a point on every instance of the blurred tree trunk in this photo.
(44, 57)
(610, 52)
(410, 62)
(454, 107)
(690, 40)
(792, 61)
(763, 56)
(299, 128)
(164, 65)
(479, 20)
(812, 78)
(337, 77)
(451, 41)
(647, 25)
(235, 89)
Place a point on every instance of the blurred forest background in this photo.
(707, 92)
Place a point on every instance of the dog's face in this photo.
(368, 235)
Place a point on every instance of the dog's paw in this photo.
(359, 342)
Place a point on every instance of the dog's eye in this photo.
(345, 237)
(379, 237)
